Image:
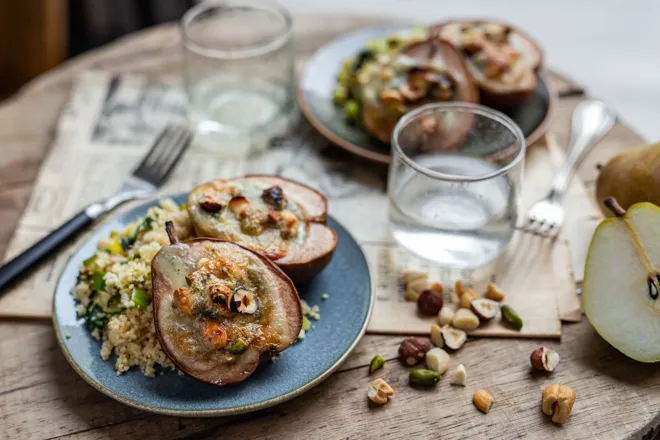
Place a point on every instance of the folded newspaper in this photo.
(109, 123)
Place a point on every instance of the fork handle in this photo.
(591, 121)
(26, 260)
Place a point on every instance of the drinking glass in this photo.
(454, 183)
(238, 67)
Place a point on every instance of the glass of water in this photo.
(454, 183)
(239, 68)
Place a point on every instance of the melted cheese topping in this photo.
(203, 321)
(246, 212)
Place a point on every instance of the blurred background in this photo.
(611, 46)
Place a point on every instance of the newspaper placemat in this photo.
(109, 123)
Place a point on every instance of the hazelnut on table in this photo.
(544, 359)
(413, 350)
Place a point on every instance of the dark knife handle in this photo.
(29, 258)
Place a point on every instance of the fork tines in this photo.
(164, 154)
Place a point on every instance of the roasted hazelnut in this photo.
(245, 301)
(429, 302)
(413, 350)
(239, 205)
(544, 359)
(211, 203)
(220, 296)
(215, 334)
(485, 308)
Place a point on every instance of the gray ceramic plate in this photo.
(318, 81)
(298, 369)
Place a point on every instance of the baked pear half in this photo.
(276, 217)
(420, 73)
(501, 60)
(220, 309)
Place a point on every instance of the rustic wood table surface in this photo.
(41, 397)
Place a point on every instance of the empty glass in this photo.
(239, 68)
(454, 183)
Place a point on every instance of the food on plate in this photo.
(501, 60)
(220, 308)
(621, 286)
(114, 290)
(631, 177)
(276, 217)
(379, 86)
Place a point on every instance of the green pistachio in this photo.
(376, 363)
(510, 317)
(237, 347)
(424, 377)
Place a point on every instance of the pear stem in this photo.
(614, 206)
(171, 233)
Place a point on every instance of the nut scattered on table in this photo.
(436, 336)
(376, 363)
(445, 316)
(413, 350)
(511, 318)
(460, 376)
(458, 287)
(411, 275)
(437, 287)
(437, 360)
(466, 298)
(483, 400)
(429, 302)
(493, 292)
(454, 338)
(415, 283)
(544, 359)
(380, 392)
(424, 377)
(465, 319)
(557, 401)
(484, 308)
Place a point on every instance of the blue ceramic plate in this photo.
(298, 369)
(319, 79)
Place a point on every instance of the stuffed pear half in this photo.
(220, 309)
(276, 217)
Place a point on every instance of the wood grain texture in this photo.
(42, 398)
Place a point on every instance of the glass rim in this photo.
(475, 109)
(275, 42)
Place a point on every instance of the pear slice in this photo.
(220, 309)
(621, 285)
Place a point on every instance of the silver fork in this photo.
(143, 182)
(591, 121)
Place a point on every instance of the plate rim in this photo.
(383, 158)
(209, 412)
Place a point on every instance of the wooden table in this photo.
(42, 398)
